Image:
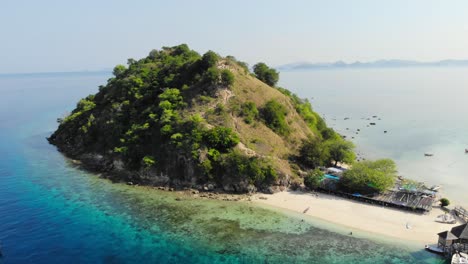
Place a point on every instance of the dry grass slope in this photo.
(256, 138)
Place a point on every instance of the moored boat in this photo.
(446, 219)
(428, 154)
(460, 258)
(434, 249)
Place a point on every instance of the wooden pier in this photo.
(417, 200)
(417, 204)
(462, 213)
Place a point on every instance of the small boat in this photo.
(460, 258)
(307, 209)
(435, 187)
(466, 150)
(434, 249)
(428, 154)
(446, 219)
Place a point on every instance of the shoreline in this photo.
(390, 223)
(329, 212)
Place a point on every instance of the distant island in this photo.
(373, 64)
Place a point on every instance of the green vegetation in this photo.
(221, 138)
(148, 161)
(265, 74)
(313, 178)
(444, 202)
(340, 150)
(227, 78)
(369, 177)
(313, 153)
(316, 152)
(257, 170)
(313, 120)
(175, 112)
(250, 112)
(274, 113)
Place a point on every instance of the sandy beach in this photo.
(378, 220)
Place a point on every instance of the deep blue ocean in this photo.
(52, 212)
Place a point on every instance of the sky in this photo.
(65, 35)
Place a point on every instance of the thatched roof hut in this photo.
(461, 232)
(446, 239)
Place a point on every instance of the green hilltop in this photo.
(178, 118)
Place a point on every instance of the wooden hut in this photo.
(446, 240)
(455, 240)
(461, 243)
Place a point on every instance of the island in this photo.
(179, 120)
(184, 120)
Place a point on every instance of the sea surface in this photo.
(422, 110)
(52, 212)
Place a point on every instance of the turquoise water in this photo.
(423, 110)
(51, 212)
(329, 176)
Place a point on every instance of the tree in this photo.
(212, 75)
(444, 202)
(369, 176)
(221, 138)
(340, 150)
(209, 59)
(118, 70)
(170, 98)
(312, 153)
(265, 74)
(313, 178)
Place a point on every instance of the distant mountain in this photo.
(373, 64)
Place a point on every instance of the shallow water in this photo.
(423, 110)
(51, 212)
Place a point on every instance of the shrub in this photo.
(148, 161)
(227, 78)
(274, 115)
(444, 202)
(212, 75)
(249, 111)
(257, 170)
(221, 138)
(313, 178)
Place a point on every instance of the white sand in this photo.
(369, 218)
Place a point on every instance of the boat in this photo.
(460, 258)
(446, 219)
(466, 150)
(428, 154)
(435, 187)
(434, 250)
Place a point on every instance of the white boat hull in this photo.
(460, 258)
